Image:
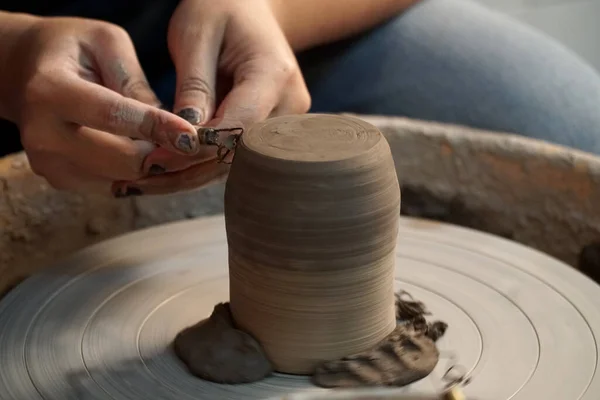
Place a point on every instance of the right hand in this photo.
(87, 115)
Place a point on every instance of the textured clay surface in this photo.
(405, 356)
(215, 350)
(402, 358)
(311, 211)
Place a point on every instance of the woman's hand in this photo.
(86, 112)
(234, 67)
(241, 42)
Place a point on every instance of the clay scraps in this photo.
(215, 350)
(405, 356)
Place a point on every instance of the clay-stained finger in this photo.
(194, 177)
(217, 138)
(195, 53)
(161, 161)
(110, 156)
(97, 107)
(120, 68)
(91, 151)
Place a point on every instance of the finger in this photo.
(63, 175)
(251, 99)
(114, 157)
(194, 177)
(296, 100)
(120, 68)
(88, 104)
(195, 51)
(161, 161)
(92, 151)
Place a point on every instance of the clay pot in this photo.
(311, 208)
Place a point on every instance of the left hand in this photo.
(234, 68)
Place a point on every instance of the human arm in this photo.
(309, 23)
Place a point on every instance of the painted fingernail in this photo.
(185, 142)
(156, 169)
(191, 115)
(127, 192)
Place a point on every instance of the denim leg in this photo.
(456, 61)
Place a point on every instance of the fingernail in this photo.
(191, 115)
(129, 191)
(156, 169)
(185, 142)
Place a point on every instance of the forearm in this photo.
(12, 26)
(309, 23)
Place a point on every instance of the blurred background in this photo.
(572, 22)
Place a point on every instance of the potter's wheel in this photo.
(523, 323)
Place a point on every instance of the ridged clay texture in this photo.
(311, 208)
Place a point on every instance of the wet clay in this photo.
(402, 358)
(215, 350)
(311, 209)
(407, 355)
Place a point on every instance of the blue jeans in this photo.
(456, 61)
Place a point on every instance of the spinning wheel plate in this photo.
(99, 326)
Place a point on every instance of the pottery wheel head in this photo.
(312, 137)
(100, 324)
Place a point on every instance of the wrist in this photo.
(12, 28)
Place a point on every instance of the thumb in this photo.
(120, 69)
(195, 54)
(253, 97)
